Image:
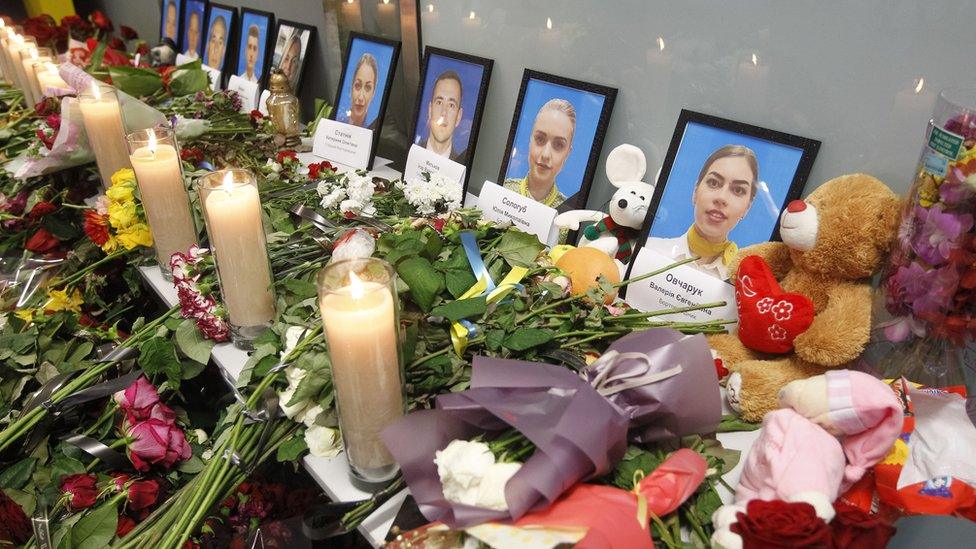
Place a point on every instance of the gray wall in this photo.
(842, 72)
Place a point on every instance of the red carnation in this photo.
(96, 227)
(15, 527)
(128, 33)
(42, 242)
(80, 489)
(142, 494)
(192, 155)
(315, 169)
(124, 526)
(41, 209)
(282, 155)
(855, 529)
(778, 524)
(101, 20)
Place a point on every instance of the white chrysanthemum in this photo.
(323, 441)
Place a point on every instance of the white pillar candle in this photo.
(361, 331)
(156, 162)
(48, 79)
(29, 56)
(16, 44)
(232, 208)
(106, 134)
(5, 33)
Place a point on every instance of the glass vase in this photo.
(360, 317)
(102, 115)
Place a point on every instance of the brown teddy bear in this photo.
(833, 243)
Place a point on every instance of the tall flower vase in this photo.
(929, 283)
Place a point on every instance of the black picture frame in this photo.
(304, 61)
(262, 83)
(577, 200)
(381, 114)
(230, 40)
(178, 39)
(487, 65)
(203, 23)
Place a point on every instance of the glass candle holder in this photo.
(232, 213)
(29, 58)
(360, 316)
(155, 158)
(14, 46)
(49, 79)
(103, 123)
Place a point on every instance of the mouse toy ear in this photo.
(625, 164)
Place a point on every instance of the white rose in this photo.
(292, 336)
(308, 417)
(491, 492)
(201, 435)
(322, 441)
(285, 397)
(460, 466)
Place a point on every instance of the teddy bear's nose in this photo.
(622, 203)
(796, 206)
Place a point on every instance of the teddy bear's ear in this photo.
(625, 164)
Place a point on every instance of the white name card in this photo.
(343, 143)
(247, 90)
(421, 160)
(682, 286)
(500, 204)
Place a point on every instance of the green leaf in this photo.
(292, 449)
(527, 338)
(191, 466)
(158, 357)
(187, 81)
(136, 81)
(95, 529)
(63, 466)
(18, 474)
(260, 352)
(636, 459)
(60, 227)
(519, 249)
(424, 281)
(494, 339)
(302, 289)
(731, 423)
(190, 341)
(463, 308)
(706, 503)
(27, 501)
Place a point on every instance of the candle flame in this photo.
(386, 2)
(95, 91)
(430, 8)
(356, 289)
(549, 23)
(471, 15)
(755, 60)
(919, 84)
(350, 1)
(152, 141)
(660, 43)
(228, 182)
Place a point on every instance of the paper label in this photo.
(214, 76)
(247, 90)
(682, 286)
(500, 204)
(945, 142)
(421, 160)
(934, 163)
(343, 143)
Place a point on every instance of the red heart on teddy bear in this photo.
(769, 318)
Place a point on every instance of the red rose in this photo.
(191, 155)
(124, 526)
(115, 58)
(143, 50)
(855, 529)
(156, 441)
(15, 527)
(42, 242)
(128, 33)
(48, 105)
(101, 20)
(256, 114)
(282, 155)
(116, 43)
(53, 121)
(138, 399)
(71, 21)
(778, 524)
(320, 168)
(41, 209)
(43, 137)
(80, 57)
(439, 224)
(80, 489)
(142, 494)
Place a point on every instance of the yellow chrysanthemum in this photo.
(121, 214)
(26, 315)
(59, 300)
(136, 235)
(121, 193)
(110, 245)
(125, 176)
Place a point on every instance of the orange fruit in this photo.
(584, 265)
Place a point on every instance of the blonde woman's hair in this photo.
(563, 106)
(367, 59)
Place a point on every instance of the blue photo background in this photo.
(588, 108)
(384, 55)
(228, 15)
(162, 19)
(471, 75)
(197, 7)
(777, 166)
(248, 19)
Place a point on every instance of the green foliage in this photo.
(96, 528)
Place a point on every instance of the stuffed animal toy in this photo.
(833, 243)
(616, 233)
(164, 53)
(830, 430)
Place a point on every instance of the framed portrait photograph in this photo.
(450, 102)
(221, 22)
(723, 185)
(364, 87)
(292, 41)
(253, 45)
(556, 137)
(194, 18)
(169, 20)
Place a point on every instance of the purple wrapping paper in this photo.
(683, 404)
(578, 434)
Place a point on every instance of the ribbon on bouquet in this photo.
(464, 331)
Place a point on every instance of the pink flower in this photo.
(156, 442)
(138, 399)
(938, 233)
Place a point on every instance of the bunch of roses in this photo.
(79, 29)
(47, 32)
(82, 490)
(17, 218)
(194, 281)
(351, 194)
(431, 194)
(930, 280)
(152, 436)
(118, 213)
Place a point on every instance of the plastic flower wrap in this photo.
(65, 146)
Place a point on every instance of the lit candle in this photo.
(386, 17)
(29, 57)
(472, 20)
(430, 14)
(752, 86)
(232, 210)
(352, 15)
(16, 44)
(156, 162)
(359, 314)
(106, 134)
(5, 33)
(49, 79)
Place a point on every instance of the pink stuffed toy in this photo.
(830, 429)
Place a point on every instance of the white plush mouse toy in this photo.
(616, 234)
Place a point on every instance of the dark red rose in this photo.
(143, 50)
(855, 529)
(80, 489)
(41, 209)
(192, 155)
(778, 524)
(53, 121)
(282, 155)
(44, 138)
(116, 43)
(256, 115)
(142, 494)
(71, 21)
(128, 33)
(115, 58)
(42, 242)
(15, 527)
(47, 106)
(101, 20)
(124, 526)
